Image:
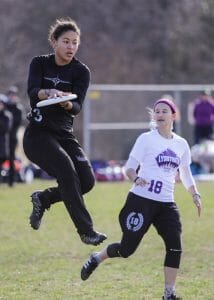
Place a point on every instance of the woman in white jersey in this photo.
(152, 167)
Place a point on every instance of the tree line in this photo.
(123, 41)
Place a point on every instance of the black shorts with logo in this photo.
(139, 213)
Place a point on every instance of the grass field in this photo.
(46, 264)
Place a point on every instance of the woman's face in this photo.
(65, 47)
(163, 115)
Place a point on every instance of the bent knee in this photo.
(88, 185)
(124, 254)
(114, 250)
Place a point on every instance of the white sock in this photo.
(168, 291)
(96, 255)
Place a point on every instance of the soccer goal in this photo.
(114, 115)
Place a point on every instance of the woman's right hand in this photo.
(140, 181)
(51, 93)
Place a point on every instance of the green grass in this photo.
(46, 264)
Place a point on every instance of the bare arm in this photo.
(189, 183)
(131, 172)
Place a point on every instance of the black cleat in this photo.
(93, 238)
(37, 212)
(89, 267)
(172, 297)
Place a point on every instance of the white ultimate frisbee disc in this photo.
(56, 100)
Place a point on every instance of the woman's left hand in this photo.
(67, 105)
(197, 201)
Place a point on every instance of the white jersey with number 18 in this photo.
(159, 159)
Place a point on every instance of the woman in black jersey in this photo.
(49, 141)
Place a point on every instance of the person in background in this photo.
(49, 141)
(203, 114)
(15, 107)
(152, 166)
(5, 126)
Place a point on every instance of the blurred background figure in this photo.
(16, 109)
(203, 114)
(5, 126)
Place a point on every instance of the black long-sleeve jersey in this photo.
(44, 73)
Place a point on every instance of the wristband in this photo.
(136, 179)
(196, 194)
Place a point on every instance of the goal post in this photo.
(120, 109)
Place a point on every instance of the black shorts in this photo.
(139, 213)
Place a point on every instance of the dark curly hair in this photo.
(60, 26)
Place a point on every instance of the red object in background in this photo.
(17, 165)
(110, 171)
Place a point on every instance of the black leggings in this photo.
(135, 219)
(64, 159)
